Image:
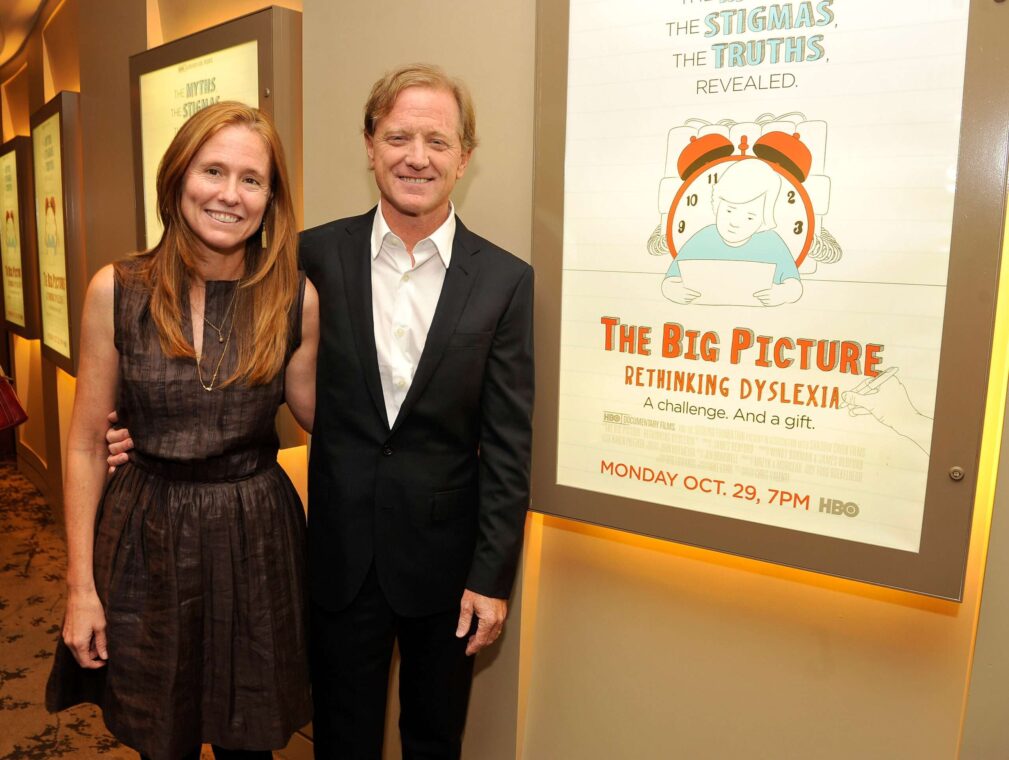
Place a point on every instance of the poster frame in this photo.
(938, 568)
(277, 32)
(67, 106)
(22, 148)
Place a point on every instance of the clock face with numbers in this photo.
(692, 209)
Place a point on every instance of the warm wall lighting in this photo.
(27, 373)
(61, 56)
(991, 449)
(178, 19)
(294, 460)
(16, 111)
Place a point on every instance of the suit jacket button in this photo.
(387, 451)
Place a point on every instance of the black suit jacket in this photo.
(437, 501)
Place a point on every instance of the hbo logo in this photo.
(838, 507)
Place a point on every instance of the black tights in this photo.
(227, 754)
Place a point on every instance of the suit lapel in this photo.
(356, 259)
(459, 278)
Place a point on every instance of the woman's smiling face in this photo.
(226, 190)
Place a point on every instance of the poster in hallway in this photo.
(758, 208)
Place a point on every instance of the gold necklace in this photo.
(220, 330)
(224, 351)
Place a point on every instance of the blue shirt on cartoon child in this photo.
(765, 247)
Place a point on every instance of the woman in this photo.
(185, 610)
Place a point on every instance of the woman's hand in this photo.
(84, 629)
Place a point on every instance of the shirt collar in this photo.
(443, 237)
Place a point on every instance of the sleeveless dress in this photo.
(199, 554)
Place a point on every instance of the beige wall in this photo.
(985, 730)
(644, 649)
(349, 45)
(109, 229)
(169, 20)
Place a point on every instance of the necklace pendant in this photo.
(220, 338)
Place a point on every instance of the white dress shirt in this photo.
(405, 289)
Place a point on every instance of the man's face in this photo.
(417, 156)
(738, 222)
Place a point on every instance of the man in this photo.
(419, 473)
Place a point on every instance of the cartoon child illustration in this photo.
(10, 235)
(743, 202)
(49, 232)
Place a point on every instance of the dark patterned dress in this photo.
(199, 554)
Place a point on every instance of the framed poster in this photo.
(248, 59)
(17, 239)
(774, 317)
(56, 168)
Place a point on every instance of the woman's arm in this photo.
(299, 382)
(97, 381)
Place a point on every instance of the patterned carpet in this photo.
(32, 564)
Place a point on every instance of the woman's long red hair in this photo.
(270, 282)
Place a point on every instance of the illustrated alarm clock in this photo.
(709, 159)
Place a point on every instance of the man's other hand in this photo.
(490, 614)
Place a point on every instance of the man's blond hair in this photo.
(385, 91)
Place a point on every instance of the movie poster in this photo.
(51, 229)
(757, 216)
(169, 96)
(10, 241)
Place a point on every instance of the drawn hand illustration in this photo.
(674, 289)
(788, 291)
(886, 399)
